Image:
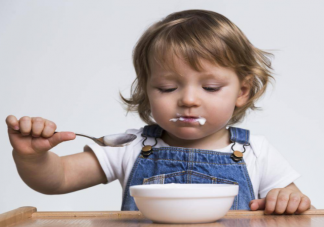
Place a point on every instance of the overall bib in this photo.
(191, 166)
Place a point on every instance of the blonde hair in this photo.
(198, 34)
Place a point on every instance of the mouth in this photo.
(193, 117)
(189, 119)
(187, 116)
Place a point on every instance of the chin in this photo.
(187, 133)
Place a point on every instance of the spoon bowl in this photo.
(118, 140)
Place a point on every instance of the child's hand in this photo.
(32, 137)
(287, 200)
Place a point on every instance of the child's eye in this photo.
(212, 89)
(166, 90)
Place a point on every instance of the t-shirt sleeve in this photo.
(112, 159)
(276, 171)
(109, 158)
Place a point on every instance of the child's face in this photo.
(213, 97)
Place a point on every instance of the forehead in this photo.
(177, 67)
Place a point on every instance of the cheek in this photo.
(221, 109)
(159, 107)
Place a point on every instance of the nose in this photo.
(189, 97)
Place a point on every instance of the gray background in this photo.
(67, 60)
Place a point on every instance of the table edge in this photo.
(16, 215)
(122, 214)
(23, 213)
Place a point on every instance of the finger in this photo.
(61, 137)
(293, 203)
(25, 125)
(271, 200)
(257, 204)
(12, 122)
(37, 126)
(49, 129)
(304, 205)
(282, 202)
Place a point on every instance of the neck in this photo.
(217, 140)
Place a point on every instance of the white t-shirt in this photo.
(267, 168)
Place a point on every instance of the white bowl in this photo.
(184, 203)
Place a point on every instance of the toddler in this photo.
(197, 75)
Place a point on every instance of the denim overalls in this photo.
(191, 166)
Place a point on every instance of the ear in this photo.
(244, 93)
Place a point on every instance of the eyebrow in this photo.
(203, 75)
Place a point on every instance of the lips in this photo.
(187, 116)
(187, 119)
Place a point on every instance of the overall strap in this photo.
(239, 135)
(152, 131)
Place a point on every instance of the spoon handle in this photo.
(90, 137)
(78, 134)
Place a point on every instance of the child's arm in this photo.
(43, 170)
(288, 200)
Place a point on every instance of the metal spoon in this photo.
(114, 140)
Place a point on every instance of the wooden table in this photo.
(28, 216)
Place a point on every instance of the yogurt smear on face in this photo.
(201, 120)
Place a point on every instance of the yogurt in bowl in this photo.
(184, 203)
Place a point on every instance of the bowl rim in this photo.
(174, 190)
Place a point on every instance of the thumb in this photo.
(257, 204)
(60, 137)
